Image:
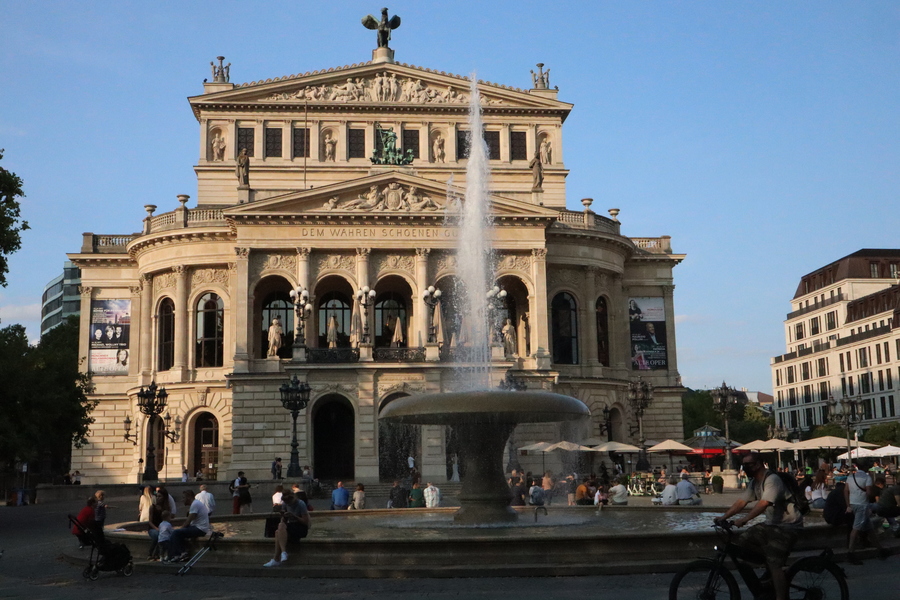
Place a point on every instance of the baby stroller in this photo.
(110, 556)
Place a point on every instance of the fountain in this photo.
(482, 419)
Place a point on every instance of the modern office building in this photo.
(348, 179)
(843, 340)
(61, 297)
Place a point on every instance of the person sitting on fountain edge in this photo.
(294, 527)
(775, 538)
(340, 497)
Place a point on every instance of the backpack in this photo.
(835, 511)
(793, 490)
(537, 496)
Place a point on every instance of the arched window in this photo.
(210, 331)
(390, 313)
(565, 329)
(165, 335)
(602, 331)
(278, 304)
(334, 308)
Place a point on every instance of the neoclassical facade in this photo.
(331, 182)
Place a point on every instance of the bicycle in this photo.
(810, 578)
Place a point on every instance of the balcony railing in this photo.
(332, 355)
(660, 245)
(93, 243)
(462, 354)
(401, 355)
(570, 219)
(820, 305)
(864, 335)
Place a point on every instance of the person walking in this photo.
(241, 501)
(858, 494)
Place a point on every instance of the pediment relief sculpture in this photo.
(381, 87)
(393, 197)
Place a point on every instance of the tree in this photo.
(11, 224)
(828, 429)
(697, 410)
(884, 434)
(43, 395)
(753, 424)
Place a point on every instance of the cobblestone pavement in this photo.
(32, 539)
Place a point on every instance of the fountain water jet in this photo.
(482, 419)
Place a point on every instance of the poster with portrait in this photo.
(647, 321)
(110, 331)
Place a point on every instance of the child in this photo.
(165, 535)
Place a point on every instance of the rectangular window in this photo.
(863, 359)
(794, 423)
(807, 393)
(831, 320)
(883, 402)
(792, 396)
(864, 384)
(777, 376)
(843, 386)
(891, 411)
(823, 390)
(301, 142)
(841, 356)
(849, 362)
(880, 381)
(492, 139)
(887, 352)
(356, 143)
(870, 405)
(890, 379)
(462, 144)
(790, 374)
(850, 381)
(878, 353)
(246, 138)
(894, 271)
(273, 142)
(809, 417)
(518, 147)
(798, 331)
(804, 371)
(873, 270)
(814, 326)
(821, 367)
(411, 141)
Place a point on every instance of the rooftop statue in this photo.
(383, 26)
(389, 154)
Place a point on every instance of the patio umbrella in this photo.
(858, 453)
(616, 447)
(355, 325)
(828, 441)
(541, 447)
(754, 446)
(568, 447)
(593, 441)
(671, 447)
(398, 338)
(886, 451)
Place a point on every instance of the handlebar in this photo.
(723, 524)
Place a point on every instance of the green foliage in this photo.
(697, 410)
(11, 224)
(828, 429)
(884, 434)
(42, 394)
(745, 422)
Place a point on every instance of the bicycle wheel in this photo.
(817, 579)
(703, 580)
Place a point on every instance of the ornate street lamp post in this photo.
(130, 437)
(152, 402)
(724, 398)
(302, 310)
(431, 296)
(640, 396)
(294, 397)
(495, 297)
(606, 424)
(851, 414)
(366, 298)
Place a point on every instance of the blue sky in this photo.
(763, 137)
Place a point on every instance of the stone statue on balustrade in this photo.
(509, 338)
(242, 168)
(537, 172)
(383, 26)
(218, 147)
(276, 331)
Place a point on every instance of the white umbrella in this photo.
(886, 451)
(462, 336)
(858, 453)
(755, 445)
(593, 441)
(397, 339)
(616, 447)
(569, 447)
(541, 447)
(355, 325)
(828, 441)
(332, 336)
(671, 447)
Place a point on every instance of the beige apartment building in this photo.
(842, 342)
(289, 198)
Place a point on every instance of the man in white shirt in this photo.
(195, 525)
(432, 496)
(857, 492)
(207, 498)
(618, 494)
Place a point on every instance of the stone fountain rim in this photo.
(484, 406)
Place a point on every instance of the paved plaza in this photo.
(33, 539)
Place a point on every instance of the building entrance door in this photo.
(205, 455)
(396, 443)
(333, 439)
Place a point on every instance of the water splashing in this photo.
(474, 250)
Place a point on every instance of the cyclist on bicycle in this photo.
(774, 538)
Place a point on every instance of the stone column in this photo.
(315, 152)
(240, 285)
(419, 307)
(303, 268)
(181, 320)
(287, 141)
(450, 144)
(671, 354)
(145, 352)
(588, 329)
(424, 144)
(622, 332)
(84, 325)
(362, 277)
(505, 155)
(137, 308)
(540, 310)
(531, 141)
(342, 151)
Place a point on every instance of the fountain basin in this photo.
(483, 421)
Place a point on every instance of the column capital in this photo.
(85, 290)
(146, 278)
(539, 253)
(242, 253)
(668, 290)
(423, 252)
(136, 289)
(303, 252)
(179, 270)
(363, 251)
(232, 267)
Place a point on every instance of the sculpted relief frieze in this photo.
(331, 262)
(164, 281)
(514, 262)
(443, 262)
(564, 277)
(393, 262)
(380, 88)
(200, 277)
(386, 388)
(393, 197)
(263, 262)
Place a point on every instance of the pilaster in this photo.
(671, 352)
(588, 329)
(145, 352)
(540, 321)
(421, 330)
(181, 320)
(240, 284)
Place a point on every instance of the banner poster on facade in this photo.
(110, 332)
(647, 317)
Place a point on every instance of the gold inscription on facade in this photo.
(379, 232)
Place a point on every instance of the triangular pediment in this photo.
(379, 84)
(391, 193)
